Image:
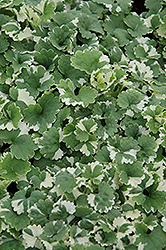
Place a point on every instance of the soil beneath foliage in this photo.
(138, 6)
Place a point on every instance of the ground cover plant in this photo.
(82, 125)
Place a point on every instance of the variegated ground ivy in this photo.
(82, 125)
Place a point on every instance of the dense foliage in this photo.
(82, 125)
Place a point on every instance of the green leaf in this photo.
(85, 133)
(78, 246)
(85, 128)
(108, 238)
(60, 247)
(66, 89)
(23, 147)
(82, 200)
(136, 26)
(62, 116)
(148, 145)
(154, 199)
(42, 210)
(60, 37)
(21, 203)
(44, 112)
(92, 172)
(60, 214)
(125, 150)
(125, 5)
(3, 187)
(129, 98)
(156, 118)
(12, 218)
(87, 24)
(33, 114)
(9, 136)
(48, 11)
(153, 5)
(83, 211)
(105, 199)
(114, 22)
(163, 131)
(64, 18)
(5, 3)
(139, 51)
(150, 220)
(19, 60)
(122, 36)
(11, 168)
(66, 181)
(95, 247)
(11, 243)
(13, 93)
(154, 240)
(35, 81)
(35, 176)
(130, 170)
(49, 143)
(113, 213)
(4, 43)
(162, 29)
(82, 136)
(11, 28)
(69, 136)
(102, 155)
(132, 130)
(54, 231)
(32, 2)
(105, 2)
(45, 57)
(89, 60)
(64, 65)
(12, 114)
(85, 96)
